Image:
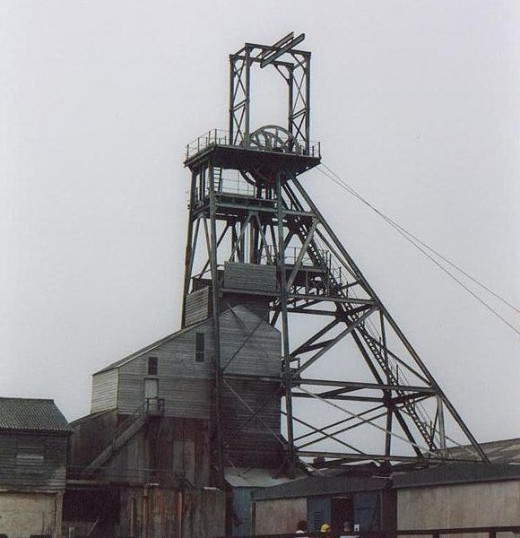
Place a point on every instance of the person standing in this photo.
(325, 531)
(301, 528)
(347, 531)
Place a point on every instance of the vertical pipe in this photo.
(291, 456)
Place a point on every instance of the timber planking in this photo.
(33, 461)
(249, 346)
(197, 306)
(249, 276)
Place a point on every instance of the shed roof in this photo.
(504, 451)
(238, 477)
(457, 473)
(29, 414)
(320, 485)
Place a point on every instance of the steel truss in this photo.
(354, 389)
(293, 65)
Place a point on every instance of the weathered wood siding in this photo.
(251, 421)
(184, 383)
(250, 355)
(250, 359)
(33, 461)
(258, 304)
(89, 436)
(171, 451)
(165, 513)
(278, 516)
(249, 346)
(459, 505)
(248, 276)
(104, 391)
(197, 306)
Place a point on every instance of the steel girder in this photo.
(294, 67)
(354, 388)
(352, 369)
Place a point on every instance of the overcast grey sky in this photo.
(416, 105)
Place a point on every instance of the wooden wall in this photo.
(252, 440)
(249, 346)
(170, 451)
(459, 505)
(250, 359)
(165, 513)
(33, 461)
(104, 391)
(90, 435)
(197, 306)
(278, 516)
(184, 383)
(248, 276)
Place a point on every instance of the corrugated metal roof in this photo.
(28, 414)
(457, 473)
(238, 477)
(320, 485)
(505, 451)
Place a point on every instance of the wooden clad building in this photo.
(144, 452)
(33, 457)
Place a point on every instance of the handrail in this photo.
(219, 137)
(491, 531)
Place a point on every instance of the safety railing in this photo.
(482, 532)
(219, 137)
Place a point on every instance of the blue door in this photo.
(367, 511)
(318, 512)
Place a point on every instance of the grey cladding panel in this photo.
(131, 393)
(252, 422)
(104, 391)
(248, 276)
(249, 345)
(187, 397)
(197, 306)
(182, 379)
(35, 461)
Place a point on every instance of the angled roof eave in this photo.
(154, 345)
(150, 347)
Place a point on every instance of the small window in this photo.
(152, 366)
(199, 347)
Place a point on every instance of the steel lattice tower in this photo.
(352, 388)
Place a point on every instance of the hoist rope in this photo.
(425, 249)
